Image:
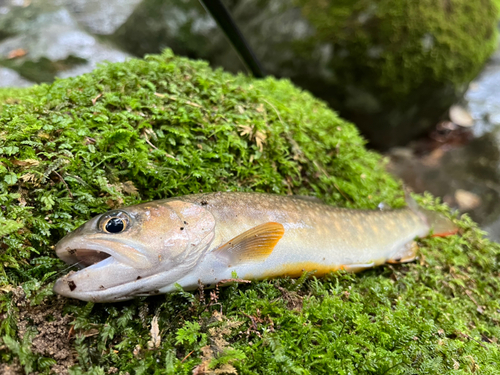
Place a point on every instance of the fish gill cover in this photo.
(167, 126)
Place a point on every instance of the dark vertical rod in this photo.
(233, 33)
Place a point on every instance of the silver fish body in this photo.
(153, 247)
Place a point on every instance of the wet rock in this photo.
(55, 44)
(466, 200)
(10, 78)
(101, 17)
(483, 97)
(393, 68)
(183, 26)
(460, 116)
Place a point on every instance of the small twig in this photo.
(473, 339)
(252, 319)
(193, 104)
(334, 184)
(149, 143)
(65, 184)
(175, 99)
(156, 148)
(201, 288)
(279, 117)
(186, 357)
(95, 99)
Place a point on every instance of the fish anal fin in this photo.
(254, 245)
(356, 267)
(406, 253)
(443, 233)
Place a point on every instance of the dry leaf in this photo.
(246, 130)
(260, 139)
(128, 187)
(26, 163)
(155, 341)
(19, 52)
(31, 178)
(226, 369)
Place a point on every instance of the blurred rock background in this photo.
(393, 67)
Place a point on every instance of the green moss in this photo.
(11, 95)
(165, 126)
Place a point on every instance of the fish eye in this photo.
(115, 225)
(115, 222)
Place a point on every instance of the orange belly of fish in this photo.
(295, 270)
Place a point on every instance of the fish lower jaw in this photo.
(66, 287)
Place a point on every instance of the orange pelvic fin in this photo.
(254, 245)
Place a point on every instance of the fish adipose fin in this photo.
(254, 245)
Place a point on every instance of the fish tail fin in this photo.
(439, 225)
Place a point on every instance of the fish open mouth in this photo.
(87, 257)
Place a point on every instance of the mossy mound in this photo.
(165, 126)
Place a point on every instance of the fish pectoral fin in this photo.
(254, 245)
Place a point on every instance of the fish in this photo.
(159, 246)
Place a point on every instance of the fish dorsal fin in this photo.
(254, 245)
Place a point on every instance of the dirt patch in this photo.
(293, 300)
(52, 339)
(11, 369)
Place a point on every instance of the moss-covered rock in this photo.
(167, 126)
(399, 65)
(392, 67)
